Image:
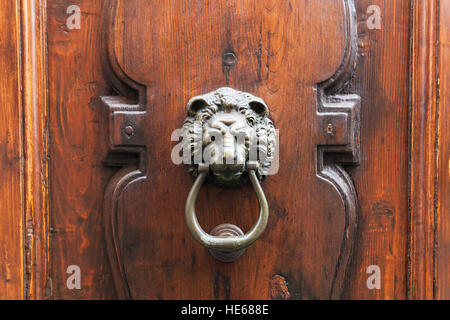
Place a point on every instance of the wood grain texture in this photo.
(423, 158)
(381, 179)
(177, 50)
(442, 265)
(338, 113)
(134, 237)
(11, 204)
(56, 149)
(34, 90)
(77, 149)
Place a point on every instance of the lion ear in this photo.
(195, 105)
(259, 106)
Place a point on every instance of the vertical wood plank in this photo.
(442, 269)
(77, 149)
(11, 260)
(423, 148)
(34, 83)
(381, 180)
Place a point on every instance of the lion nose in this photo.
(228, 121)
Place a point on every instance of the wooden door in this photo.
(94, 90)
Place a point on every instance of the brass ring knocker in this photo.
(233, 135)
(226, 247)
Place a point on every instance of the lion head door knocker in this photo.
(229, 139)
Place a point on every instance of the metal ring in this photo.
(226, 244)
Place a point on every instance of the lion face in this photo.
(225, 129)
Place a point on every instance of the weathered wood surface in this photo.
(11, 205)
(167, 52)
(381, 180)
(172, 69)
(442, 263)
(35, 140)
(176, 50)
(77, 176)
(424, 109)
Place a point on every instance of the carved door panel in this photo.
(107, 85)
(202, 48)
(119, 87)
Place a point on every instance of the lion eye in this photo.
(251, 121)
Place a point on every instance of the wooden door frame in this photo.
(36, 224)
(426, 93)
(429, 157)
